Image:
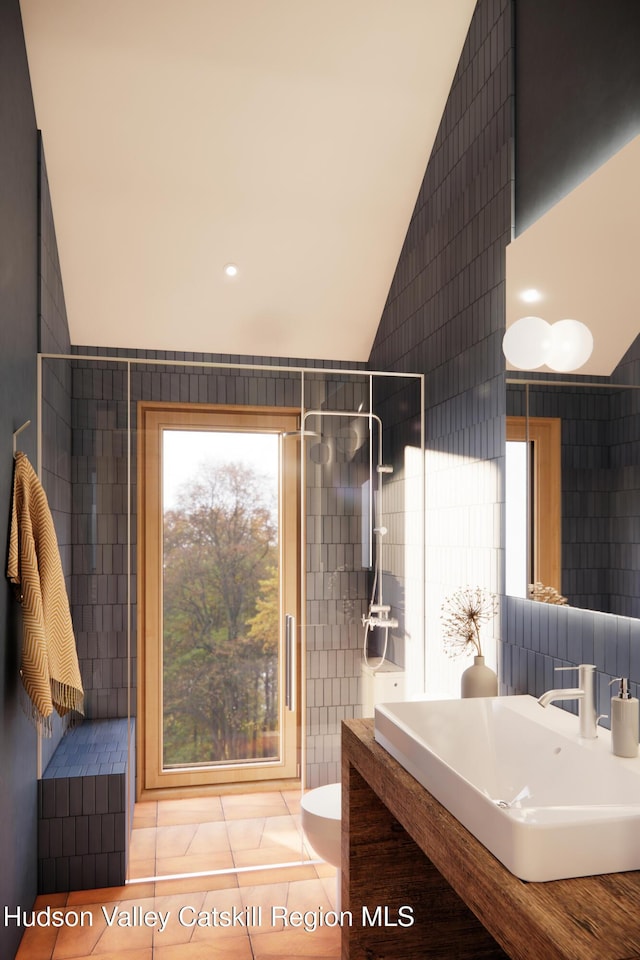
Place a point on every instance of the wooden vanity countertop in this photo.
(589, 918)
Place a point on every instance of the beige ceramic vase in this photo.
(479, 680)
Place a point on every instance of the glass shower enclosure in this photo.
(344, 446)
(363, 550)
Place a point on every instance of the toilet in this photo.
(322, 807)
(321, 810)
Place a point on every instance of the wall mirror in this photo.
(573, 449)
(573, 491)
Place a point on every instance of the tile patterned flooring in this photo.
(251, 832)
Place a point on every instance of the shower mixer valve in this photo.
(382, 620)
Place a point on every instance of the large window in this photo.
(218, 512)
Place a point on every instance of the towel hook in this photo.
(16, 434)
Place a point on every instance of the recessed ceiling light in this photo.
(531, 295)
(230, 270)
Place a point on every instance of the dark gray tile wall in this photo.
(227, 359)
(99, 587)
(444, 317)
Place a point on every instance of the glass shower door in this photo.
(337, 523)
(364, 552)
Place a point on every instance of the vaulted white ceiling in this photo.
(289, 137)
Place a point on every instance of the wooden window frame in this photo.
(152, 779)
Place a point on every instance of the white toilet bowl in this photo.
(321, 810)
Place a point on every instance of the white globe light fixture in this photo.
(571, 345)
(526, 343)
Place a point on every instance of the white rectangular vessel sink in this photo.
(547, 804)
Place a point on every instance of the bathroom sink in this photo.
(547, 804)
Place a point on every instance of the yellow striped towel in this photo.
(49, 668)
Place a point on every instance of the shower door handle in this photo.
(290, 662)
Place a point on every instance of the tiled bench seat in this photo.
(82, 803)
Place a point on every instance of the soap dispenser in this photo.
(625, 719)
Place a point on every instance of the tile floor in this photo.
(251, 832)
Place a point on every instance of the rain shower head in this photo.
(384, 468)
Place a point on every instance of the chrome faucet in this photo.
(584, 693)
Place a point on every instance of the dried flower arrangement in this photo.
(538, 591)
(462, 615)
